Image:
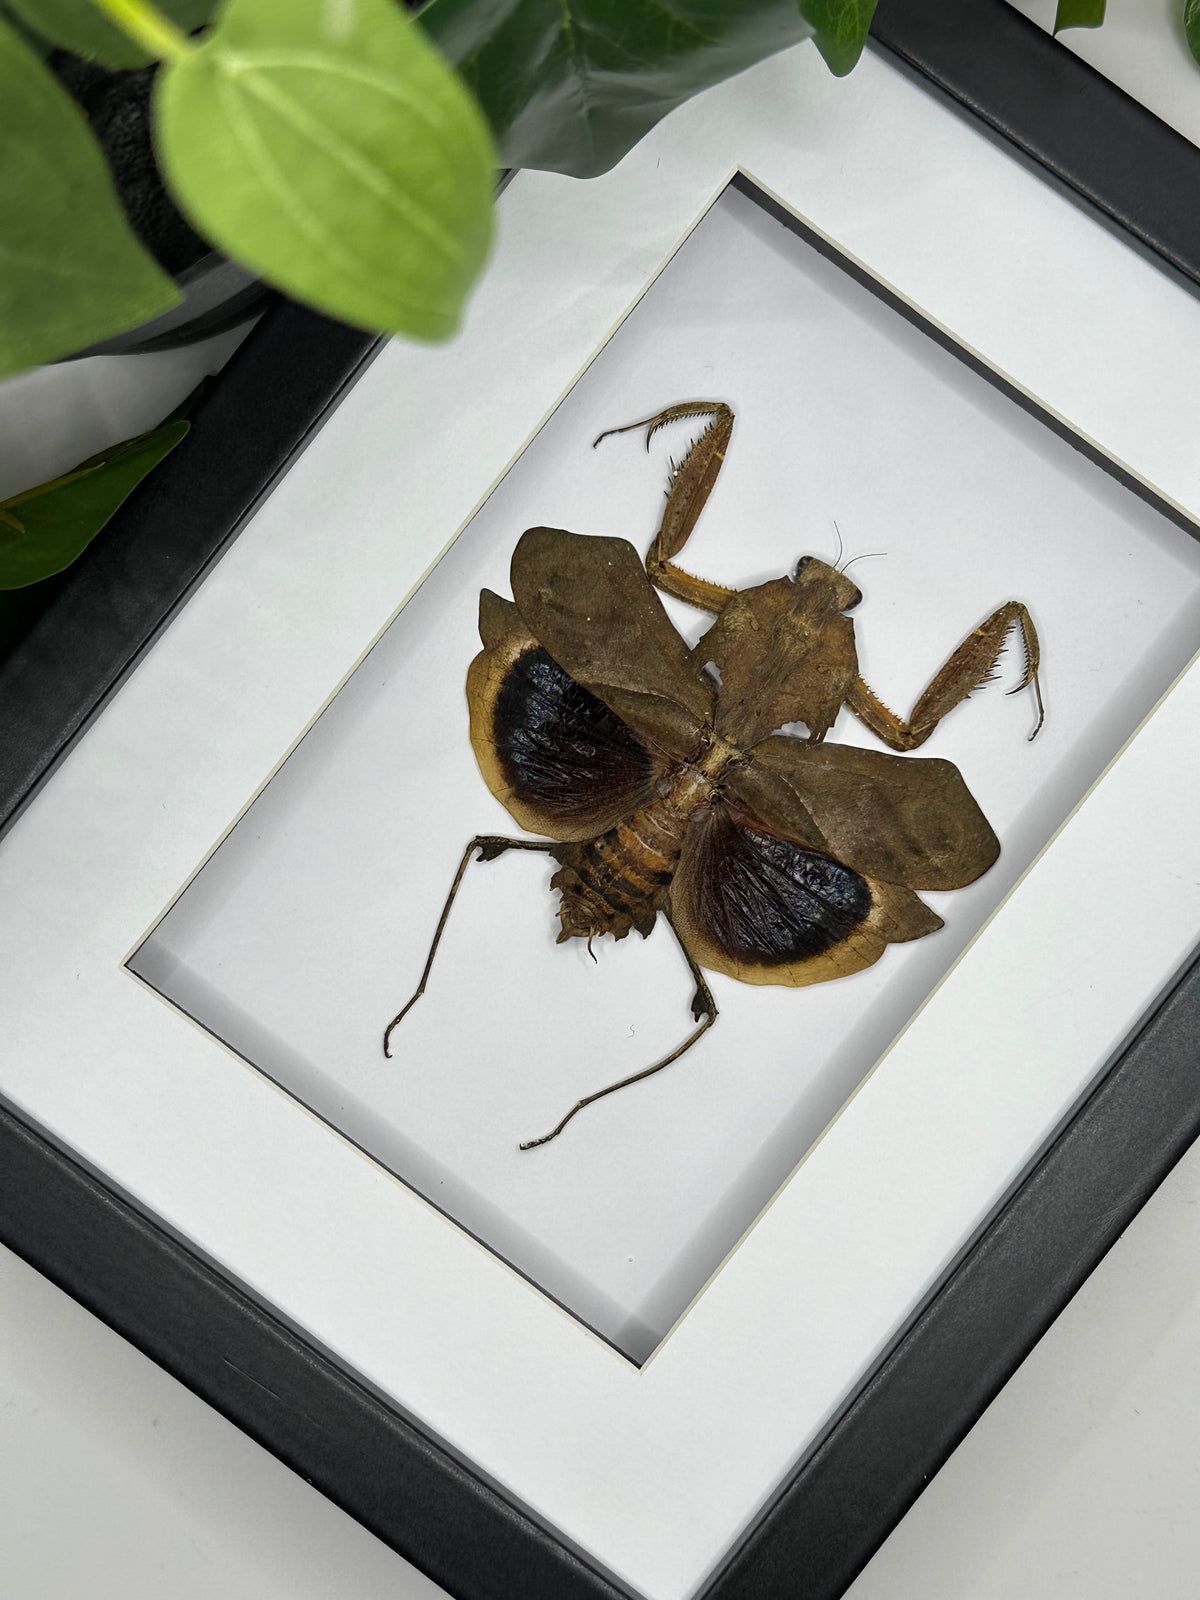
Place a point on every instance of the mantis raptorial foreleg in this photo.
(970, 666)
(691, 484)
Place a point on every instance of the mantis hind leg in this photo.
(489, 845)
(703, 1005)
(690, 485)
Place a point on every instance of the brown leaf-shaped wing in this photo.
(589, 602)
(903, 819)
(765, 909)
(561, 761)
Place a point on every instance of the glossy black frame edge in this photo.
(273, 395)
(180, 1310)
(1098, 141)
(979, 1326)
(920, 1403)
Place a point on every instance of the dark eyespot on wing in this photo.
(557, 757)
(560, 748)
(768, 901)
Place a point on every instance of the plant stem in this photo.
(147, 26)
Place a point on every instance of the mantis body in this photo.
(658, 777)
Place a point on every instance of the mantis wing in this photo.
(589, 602)
(907, 820)
(558, 758)
(764, 908)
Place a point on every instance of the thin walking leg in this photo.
(703, 1005)
(490, 846)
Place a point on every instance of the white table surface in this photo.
(1080, 1482)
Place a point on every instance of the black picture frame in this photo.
(271, 1379)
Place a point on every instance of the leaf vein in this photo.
(57, 267)
(305, 217)
(369, 173)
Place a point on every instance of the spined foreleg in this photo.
(971, 666)
(691, 484)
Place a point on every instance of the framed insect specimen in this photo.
(208, 958)
(301, 937)
(661, 772)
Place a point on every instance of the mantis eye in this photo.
(811, 569)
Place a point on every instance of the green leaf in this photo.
(571, 85)
(80, 26)
(1078, 14)
(40, 47)
(1191, 25)
(326, 144)
(44, 529)
(841, 28)
(71, 271)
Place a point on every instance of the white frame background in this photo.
(1012, 270)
